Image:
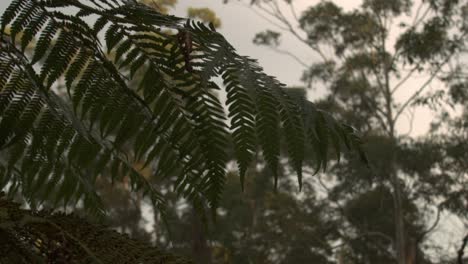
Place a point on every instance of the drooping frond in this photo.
(79, 108)
(47, 151)
(27, 237)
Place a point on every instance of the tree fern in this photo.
(42, 237)
(146, 94)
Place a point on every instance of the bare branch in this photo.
(290, 54)
(402, 81)
(417, 21)
(380, 85)
(413, 97)
(430, 229)
(461, 251)
(293, 11)
(411, 122)
(418, 11)
(275, 12)
(269, 20)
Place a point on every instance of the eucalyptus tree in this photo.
(367, 58)
(260, 225)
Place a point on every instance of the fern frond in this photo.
(150, 99)
(24, 17)
(41, 237)
(56, 140)
(11, 12)
(293, 132)
(37, 22)
(242, 115)
(44, 41)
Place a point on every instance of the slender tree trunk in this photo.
(412, 251)
(200, 251)
(400, 247)
(397, 195)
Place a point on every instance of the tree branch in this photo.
(293, 11)
(430, 229)
(419, 91)
(434, 74)
(266, 18)
(290, 54)
(461, 251)
(277, 14)
(411, 122)
(402, 81)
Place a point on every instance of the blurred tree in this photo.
(203, 14)
(162, 6)
(260, 225)
(59, 149)
(368, 58)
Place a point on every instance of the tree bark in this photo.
(399, 222)
(400, 247)
(201, 253)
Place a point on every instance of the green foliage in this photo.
(387, 8)
(268, 38)
(55, 148)
(415, 42)
(42, 237)
(259, 221)
(320, 21)
(366, 73)
(253, 223)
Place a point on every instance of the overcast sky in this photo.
(240, 24)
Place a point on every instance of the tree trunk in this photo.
(398, 211)
(394, 179)
(399, 222)
(412, 251)
(201, 253)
